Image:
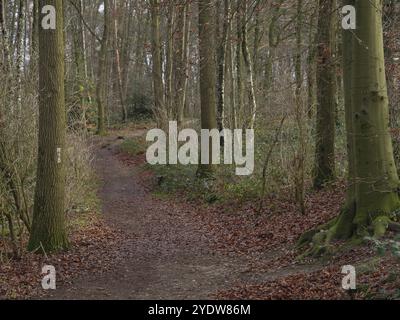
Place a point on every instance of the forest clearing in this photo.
(199, 150)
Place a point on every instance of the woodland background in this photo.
(134, 64)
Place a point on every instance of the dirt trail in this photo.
(167, 257)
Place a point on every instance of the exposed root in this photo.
(320, 240)
(394, 226)
(382, 224)
(308, 236)
(320, 243)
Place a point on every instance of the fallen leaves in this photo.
(92, 250)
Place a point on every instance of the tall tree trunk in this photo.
(118, 62)
(126, 49)
(373, 193)
(345, 225)
(4, 39)
(239, 67)
(326, 94)
(221, 53)
(301, 150)
(273, 41)
(157, 61)
(169, 64)
(19, 36)
(376, 179)
(48, 232)
(231, 67)
(181, 57)
(102, 74)
(77, 117)
(248, 63)
(391, 23)
(311, 68)
(207, 75)
(35, 28)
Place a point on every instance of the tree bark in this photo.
(326, 94)
(48, 232)
(299, 112)
(207, 76)
(373, 193)
(118, 63)
(102, 74)
(181, 58)
(376, 179)
(157, 61)
(221, 55)
(248, 63)
(311, 67)
(77, 116)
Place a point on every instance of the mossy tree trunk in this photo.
(48, 226)
(376, 179)
(373, 192)
(207, 75)
(326, 94)
(299, 159)
(345, 221)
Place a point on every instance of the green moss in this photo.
(351, 225)
(380, 225)
(135, 146)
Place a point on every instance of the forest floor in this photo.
(169, 253)
(150, 247)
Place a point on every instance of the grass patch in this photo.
(225, 186)
(134, 146)
(80, 221)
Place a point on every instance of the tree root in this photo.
(308, 236)
(320, 239)
(320, 244)
(382, 224)
(394, 226)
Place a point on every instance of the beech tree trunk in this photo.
(373, 192)
(376, 181)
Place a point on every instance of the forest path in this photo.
(167, 256)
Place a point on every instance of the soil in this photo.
(167, 253)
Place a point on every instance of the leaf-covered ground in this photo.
(144, 247)
(92, 250)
